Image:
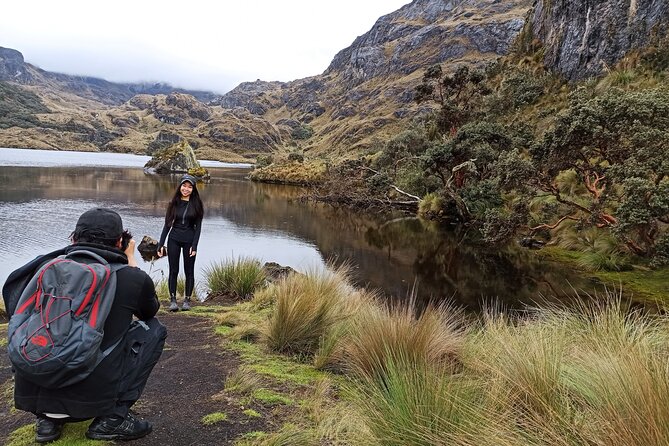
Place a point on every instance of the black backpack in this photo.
(57, 328)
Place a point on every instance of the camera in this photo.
(125, 239)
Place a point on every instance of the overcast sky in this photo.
(210, 45)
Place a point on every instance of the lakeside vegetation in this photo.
(517, 153)
(348, 369)
(332, 364)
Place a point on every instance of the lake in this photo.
(44, 192)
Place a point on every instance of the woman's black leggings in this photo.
(174, 248)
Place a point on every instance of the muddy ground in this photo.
(186, 384)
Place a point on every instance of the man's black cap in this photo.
(100, 223)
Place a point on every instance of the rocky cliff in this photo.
(582, 38)
(427, 32)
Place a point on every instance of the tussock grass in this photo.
(411, 403)
(264, 298)
(433, 336)
(331, 354)
(241, 276)
(306, 307)
(289, 436)
(592, 374)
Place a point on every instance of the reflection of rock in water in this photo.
(148, 248)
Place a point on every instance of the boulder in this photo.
(274, 271)
(178, 158)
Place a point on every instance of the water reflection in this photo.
(39, 206)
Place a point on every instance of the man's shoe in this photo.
(113, 427)
(186, 305)
(48, 429)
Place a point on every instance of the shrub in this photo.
(302, 132)
(296, 157)
(263, 161)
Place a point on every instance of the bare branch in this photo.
(553, 226)
(404, 193)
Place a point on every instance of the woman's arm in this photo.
(196, 236)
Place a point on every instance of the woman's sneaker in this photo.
(186, 305)
(114, 427)
(173, 304)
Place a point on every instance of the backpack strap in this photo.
(115, 267)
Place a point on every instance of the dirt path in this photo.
(180, 391)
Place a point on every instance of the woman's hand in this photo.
(160, 252)
(192, 252)
(130, 253)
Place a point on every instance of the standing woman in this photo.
(183, 222)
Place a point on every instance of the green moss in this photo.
(73, 435)
(277, 367)
(271, 397)
(252, 413)
(214, 418)
(250, 438)
(223, 330)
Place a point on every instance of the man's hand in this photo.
(130, 253)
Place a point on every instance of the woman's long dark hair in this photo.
(194, 199)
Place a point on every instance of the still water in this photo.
(44, 192)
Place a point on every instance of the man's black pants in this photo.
(142, 349)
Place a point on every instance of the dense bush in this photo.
(18, 107)
(302, 132)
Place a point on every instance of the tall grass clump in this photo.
(523, 365)
(593, 374)
(240, 276)
(413, 403)
(306, 307)
(619, 373)
(331, 353)
(432, 336)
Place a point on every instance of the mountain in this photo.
(365, 95)
(14, 69)
(367, 91)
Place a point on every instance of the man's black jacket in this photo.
(95, 395)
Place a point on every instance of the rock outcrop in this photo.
(179, 158)
(582, 38)
(427, 32)
(12, 66)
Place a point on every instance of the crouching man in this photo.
(131, 347)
